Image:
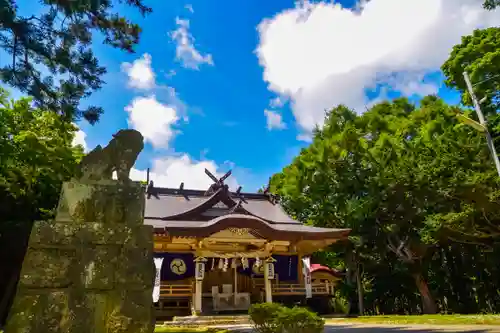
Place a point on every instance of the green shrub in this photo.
(340, 304)
(275, 318)
(263, 317)
(300, 320)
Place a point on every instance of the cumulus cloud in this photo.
(277, 102)
(79, 139)
(185, 51)
(321, 55)
(172, 170)
(274, 120)
(140, 74)
(153, 119)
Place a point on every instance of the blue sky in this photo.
(240, 84)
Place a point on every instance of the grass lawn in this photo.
(184, 330)
(160, 329)
(424, 319)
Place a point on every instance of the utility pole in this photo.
(483, 122)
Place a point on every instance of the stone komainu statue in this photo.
(119, 155)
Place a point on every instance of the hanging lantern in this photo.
(270, 270)
(199, 270)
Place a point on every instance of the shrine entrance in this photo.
(221, 251)
(225, 287)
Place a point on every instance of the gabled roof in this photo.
(194, 213)
(173, 204)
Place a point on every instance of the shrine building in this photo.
(218, 251)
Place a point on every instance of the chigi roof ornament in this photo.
(218, 183)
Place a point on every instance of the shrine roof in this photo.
(194, 213)
(278, 231)
(173, 204)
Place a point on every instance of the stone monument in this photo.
(91, 269)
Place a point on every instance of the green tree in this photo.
(36, 156)
(479, 55)
(491, 4)
(56, 46)
(407, 181)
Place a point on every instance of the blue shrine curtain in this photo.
(179, 266)
(176, 266)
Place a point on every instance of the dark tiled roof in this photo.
(268, 211)
(267, 230)
(169, 203)
(195, 214)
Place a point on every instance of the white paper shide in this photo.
(156, 288)
(306, 270)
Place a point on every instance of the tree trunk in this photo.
(360, 291)
(428, 304)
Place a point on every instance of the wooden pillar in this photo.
(235, 283)
(268, 276)
(300, 268)
(198, 288)
(267, 285)
(197, 296)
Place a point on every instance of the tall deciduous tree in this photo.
(36, 155)
(491, 4)
(56, 46)
(479, 55)
(406, 180)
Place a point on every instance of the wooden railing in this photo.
(176, 290)
(300, 289)
(187, 290)
(318, 288)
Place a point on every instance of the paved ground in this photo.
(365, 328)
(348, 328)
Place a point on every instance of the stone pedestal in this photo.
(90, 270)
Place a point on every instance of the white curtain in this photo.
(306, 269)
(156, 288)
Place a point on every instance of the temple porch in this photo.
(212, 278)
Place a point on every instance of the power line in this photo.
(483, 122)
(494, 76)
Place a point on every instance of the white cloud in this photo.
(79, 139)
(274, 120)
(305, 137)
(411, 84)
(278, 102)
(321, 55)
(185, 51)
(153, 119)
(189, 7)
(172, 170)
(140, 74)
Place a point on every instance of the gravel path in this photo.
(372, 328)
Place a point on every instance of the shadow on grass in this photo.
(371, 329)
(366, 328)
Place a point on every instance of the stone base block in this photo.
(90, 270)
(74, 311)
(105, 202)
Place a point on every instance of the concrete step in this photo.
(204, 321)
